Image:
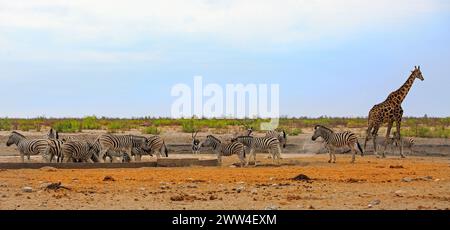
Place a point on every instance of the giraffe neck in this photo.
(398, 96)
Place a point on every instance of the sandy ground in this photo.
(371, 183)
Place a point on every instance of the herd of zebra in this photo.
(98, 150)
(123, 148)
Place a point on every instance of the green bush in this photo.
(5, 124)
(116, 126)
(151, 130)
(188, 127)
(91, 123)
(295, 132)
(68, 126)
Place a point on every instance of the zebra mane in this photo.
(14, 132)
(214, 138)
(323, 127)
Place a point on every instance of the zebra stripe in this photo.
(156, 144)
(270, 144)
(75, 150)
(54, 148)
(27, 147)
(281, 136)
(96, 148)
(336, 140)
(229, 149)
(120, 143)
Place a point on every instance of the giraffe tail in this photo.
(360, 149)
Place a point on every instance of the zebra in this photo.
(271, 144)
(75, 150)
(156, 145)
(405, 142)
(95, 149)
(52, 134)
(336, 140)
(221, 149)
(53, 149)
(120, 143)
(27, 147)
(195, 144)
(281, 136)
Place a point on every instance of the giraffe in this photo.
(390, 111)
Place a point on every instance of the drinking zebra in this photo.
(77, 151)
(27, 147)
(406, 142)
(336, 140)
(195, 143)
(120, 143)
(155, 144)
(95, 149)
(261, 144)
(229, 149)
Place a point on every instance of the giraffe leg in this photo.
(388, 135)
(399, 137)
(374, 139)
(368, 135)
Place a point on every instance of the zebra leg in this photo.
(279, 154)
(138, 157)
(219, 158)
(331, 155)
(130, 155)
(102, 154)
(254, 158)
(22, 157)
(249, 157)
(242, 158)
(334, 157)
(353, 153)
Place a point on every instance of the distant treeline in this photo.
(412, 126)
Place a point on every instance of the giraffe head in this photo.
(417, 73)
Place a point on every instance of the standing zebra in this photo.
(261, 144)
(27, 147)
(53, 149)
(120, 143)
(76, 151)
(281, 136)
(335, 140)
(155, 144)
(229, 149)
(195, 143)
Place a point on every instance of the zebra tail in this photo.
(360, 149)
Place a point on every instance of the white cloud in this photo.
(235, 22)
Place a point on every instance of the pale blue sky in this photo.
(335, 58)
